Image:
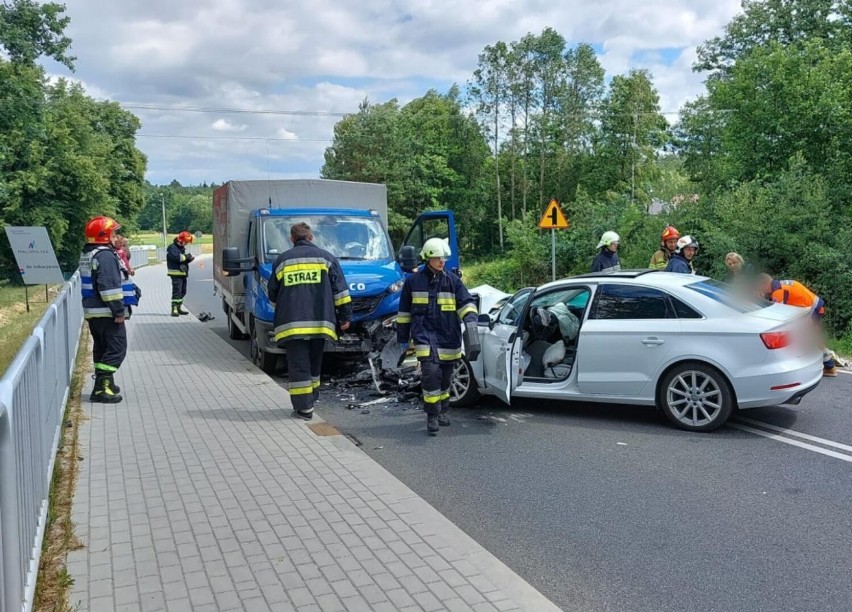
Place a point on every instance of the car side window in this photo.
(630, 302)
(512, 310)
(682, 310)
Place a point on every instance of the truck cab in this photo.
(372, 267)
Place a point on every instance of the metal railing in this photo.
(33, 393)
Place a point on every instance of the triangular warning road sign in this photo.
(553, 217)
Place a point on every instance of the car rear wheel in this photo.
(463, 389)
(696, 397)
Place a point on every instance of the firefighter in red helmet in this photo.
(104, 305)
(668, 245)
(177, 267)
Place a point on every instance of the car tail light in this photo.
(775, 340)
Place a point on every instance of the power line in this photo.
(239, 111)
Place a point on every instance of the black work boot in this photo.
(104, 393)
(112, 384)
(175, 310)
(181, 311)
(432, 424)
(443, 420)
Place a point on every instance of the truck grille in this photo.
(364, 306)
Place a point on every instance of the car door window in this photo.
(683, 311)
(512, 310)
(631, 302)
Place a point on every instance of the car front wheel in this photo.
(696, 397)
(463, 389)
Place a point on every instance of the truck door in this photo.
(436, 224)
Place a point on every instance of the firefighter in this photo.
(681, 259)
(607, 259)
(104, 306)
(794, 293)
(311, 300)
(668, 245)
(177, 264)
(432, 306)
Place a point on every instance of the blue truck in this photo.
(251, 227)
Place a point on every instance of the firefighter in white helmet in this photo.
(607, 259)
(433, 305)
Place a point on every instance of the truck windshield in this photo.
(345, 237)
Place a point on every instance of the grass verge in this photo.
(842, 346)
(15, 322)
(54, 583)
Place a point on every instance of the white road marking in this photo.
(797, 434)
(810, 447)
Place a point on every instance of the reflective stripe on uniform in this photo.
(432, 397)
(315, 382)
(403, 317)
(102, 367)
(342, 298)
(422, 350)
(300, 387)
(175, 273)
(445, 354)
(464, 310)
(307, 328)
(109, 295)
(419, 297)
(98, 313)
(300, 267)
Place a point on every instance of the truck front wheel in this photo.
(265, 361)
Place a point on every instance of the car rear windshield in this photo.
(729, 295)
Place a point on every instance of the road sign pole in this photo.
(553, 253)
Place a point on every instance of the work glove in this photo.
(189, 257)
(472, 348)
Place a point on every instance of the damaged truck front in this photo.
(251, 227)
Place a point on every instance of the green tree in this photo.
(29, 30)
(763, 22)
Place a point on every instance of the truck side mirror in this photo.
(232, 264)
(408, 258)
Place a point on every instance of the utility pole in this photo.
(163, 206)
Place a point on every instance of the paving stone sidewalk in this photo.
(201, 492)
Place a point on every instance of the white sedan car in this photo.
(687, 344)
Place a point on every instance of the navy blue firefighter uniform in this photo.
(432, 306)
(177, 268)
(104, 307)
(311, 300)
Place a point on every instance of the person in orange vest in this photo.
(794, 293)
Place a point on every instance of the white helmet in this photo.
(608, 238)
(686, 241)
(435, 247)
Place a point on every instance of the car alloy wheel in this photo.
(696, 397)
(463, 389)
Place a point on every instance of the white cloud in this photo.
(328, 55)
(222, 125)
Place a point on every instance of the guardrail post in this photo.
(10, 545)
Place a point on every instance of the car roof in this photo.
(657, 278)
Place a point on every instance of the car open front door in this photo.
(501, 347)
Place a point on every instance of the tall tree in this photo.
(30, 30)
(773, 21)
(488, 92)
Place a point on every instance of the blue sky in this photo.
(328, 55)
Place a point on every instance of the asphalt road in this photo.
(609, 508)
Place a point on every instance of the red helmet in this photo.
(670, 232)
(99, 230)
(185, 237)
